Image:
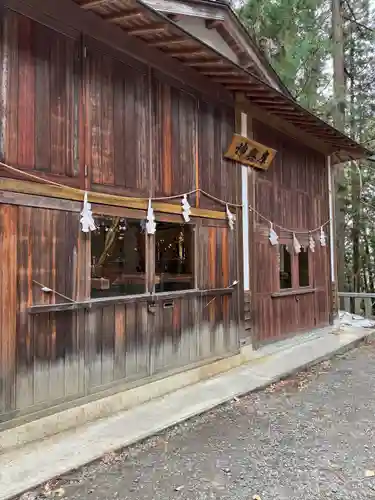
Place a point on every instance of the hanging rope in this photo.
(166, 198)
(47, 289)
(271, 223)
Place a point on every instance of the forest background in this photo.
(324, 51)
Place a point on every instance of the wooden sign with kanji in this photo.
(249, 152)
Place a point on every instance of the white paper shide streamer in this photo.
(231, 218)
(142, 225)
(322, 238)
(150, 219)
(311, 243)
(185, 208)
(296, 244)
(87, 220)
(273, 237)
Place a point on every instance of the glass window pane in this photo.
(117, 257)
(173, 257)
(303, 268)
(285, 268)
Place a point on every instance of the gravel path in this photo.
(308, 438)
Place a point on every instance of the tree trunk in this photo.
(339, 121)
(369, 266)
(355, 178)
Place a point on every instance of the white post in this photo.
(245, 212)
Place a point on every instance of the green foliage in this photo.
(295, 32)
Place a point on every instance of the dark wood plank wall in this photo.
(40, 88)
(8, 305)
(217, 175)
(294, 194)
(178, 150)
(117, 147)
(175, 148)
(80, 113)
(137, 133)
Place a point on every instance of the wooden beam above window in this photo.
(67, 193)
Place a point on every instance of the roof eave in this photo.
(244, 31)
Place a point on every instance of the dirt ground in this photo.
(309, 437)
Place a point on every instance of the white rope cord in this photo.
(286, 229)
(47, 289)
(166, 198)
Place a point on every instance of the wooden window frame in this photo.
(150, 241)
(173, 219)
(111, 211)
(295, 288)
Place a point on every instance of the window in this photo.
(303, 268)
(291, 264)
(285, 267)
(117, 257)
(173, 257)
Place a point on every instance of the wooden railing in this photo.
(358, 303)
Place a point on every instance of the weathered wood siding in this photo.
(175, 147)
(85, 115)
(147, 136)
(8, 305)
(293, 193)
(81, 113)
(118, 118)
(217, 175)
(53, 357)
(40, 88)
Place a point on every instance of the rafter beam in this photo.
(173, 17)
(216, 72)
(126, 16)
(271, 101)
(94, 3)
(188, 52)
(169, 41)
(257, 93)
(244, 60)
(213, 23)
(234, 80)
(206, 63)
(233, 86)
(146, 30)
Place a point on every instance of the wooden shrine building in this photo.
(137, 103)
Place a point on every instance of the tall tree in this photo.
(293, 32)
(338, 56)
(359, 62)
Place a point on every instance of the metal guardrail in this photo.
(358, 303)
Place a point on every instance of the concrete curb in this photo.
(103, 405)
(25, 468)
